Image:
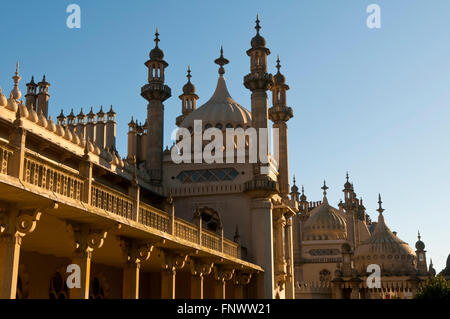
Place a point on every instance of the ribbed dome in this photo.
(220, 109)
(325, 223)
(386, 249)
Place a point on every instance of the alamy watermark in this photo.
(239, 146)
(74, 18)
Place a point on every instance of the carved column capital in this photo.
(222, 273)
(173, 261)
(134, 251)
(86, 239)
(242, 278)
(201, 267)
(18, 223)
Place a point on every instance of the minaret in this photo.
(31, 96)
(71, 121)
(100, 129)
(43, 97)
(111, 130)
(421, 256)
(280, 113)
(90, 126)
(81, 124)
(61, 119)
(155, 92)
(188, 99)
(15, 92)
(131, 156)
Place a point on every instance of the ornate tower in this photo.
(131, 156)
(15, 92)
(279, 114)
(43, 97)
(258, 81)
(100, 129)
(81, 124)
(188, 99)
(31, 96)
(111, 130)
(71, 121)
(421, 256)
(155, 92)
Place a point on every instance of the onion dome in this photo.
(189, 88)
(325, 223)
(278, 78)
(294, 188)
(23, 109)
(12, 103)
(51, 125)
(3, 99)
(60, 130)
(303, 196)
(156, 54)
(383, 247)
(420, 245)
(32, 115)
(258, 41)
(220, 110)
(67, 134)
(42, 119)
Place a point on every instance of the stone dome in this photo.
(189, 88)
(384, 248)
(156, 54)
(221, 110)
(325, 223)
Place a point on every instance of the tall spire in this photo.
(221, 61)
(189, 73)
(418, 234)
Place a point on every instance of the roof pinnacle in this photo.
(221, 61)
(324, 187)
(189, 73)
(380, 208)
(156, 37)
(257, 27)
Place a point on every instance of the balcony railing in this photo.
(51, 176)
(112, 201)
(56, 178)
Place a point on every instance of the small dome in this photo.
(42, 119)
(156, 54)
(325, 223)
(258, 41)
(189, 88)
(279, 79)
(12, 104)
(220, 109)
(420, 245)
(385, 249)
(3, 99)
(51, 125)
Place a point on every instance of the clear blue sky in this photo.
(373, 102)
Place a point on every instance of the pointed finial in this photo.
(257, 27)
(303, 190)
(221, 61)
(278, 63)
(380, 208)
(346, 176)
(189, 73)
(156, 37)
(324, 187)
(294, 179)
(418, 235)
(17, 68)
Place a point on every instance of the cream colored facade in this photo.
(143, 226)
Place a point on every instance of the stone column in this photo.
(171, 262)
(134, 254)
(86, 240)
(85, 169)
(221, 276)
(14, 225)
(262, 246)
(290, 279)
(240, 280)
(279, 237)
(17, 141)
(199, 269)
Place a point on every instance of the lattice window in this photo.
(208, 175)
